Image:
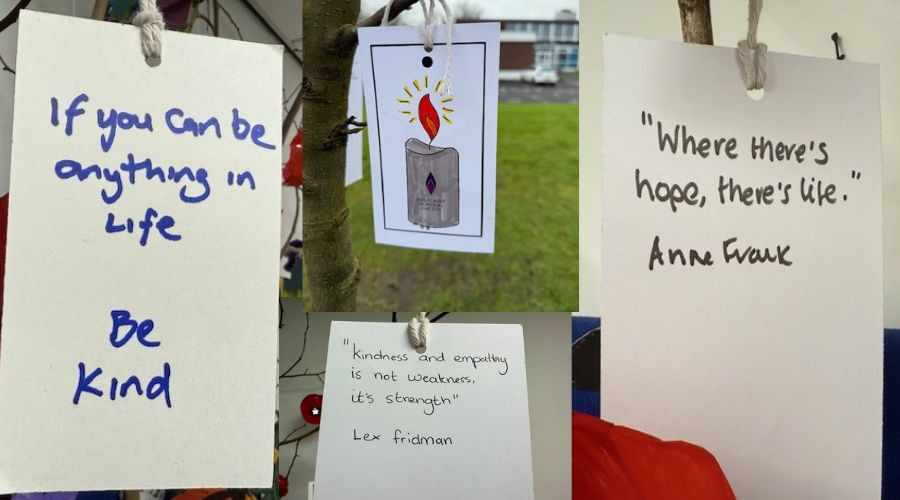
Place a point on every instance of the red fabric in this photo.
(613, 462)
(292, 173)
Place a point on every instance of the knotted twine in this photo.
(428, 33)
(418, 330)
(754, 65)
(150, 20)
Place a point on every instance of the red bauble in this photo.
(292, 173)
(311, 408)
(282, 486)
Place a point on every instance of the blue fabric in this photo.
(582, 325)
(585, 401)
(890, 450)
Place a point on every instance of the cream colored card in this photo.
(147, 358)
(445, 424)
(742, 264)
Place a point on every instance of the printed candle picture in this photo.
(432, 172)
(432, 135)
(145, 328)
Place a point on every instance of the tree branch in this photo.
(298, 438)
(13, 15)
(340, 133)
(696, 21)
(397, 8)
(221, 7)
(291, 114)
(6, 67)
(347, 37)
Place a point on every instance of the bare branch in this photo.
(289, 118)
(696, 21)
(397, 8)
(347, 37)
(99, 10)
(306, 373)
(6, 67)
(341, 132)
(302, 349)
(228, 15)
(299, 438)
(13, 15)
(209, 23)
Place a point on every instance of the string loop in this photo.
(428, 33)
(151, 22)
(754, 65)
(387, 13)
(418, 330)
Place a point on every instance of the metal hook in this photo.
(837, 46)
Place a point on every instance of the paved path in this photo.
(564, 91)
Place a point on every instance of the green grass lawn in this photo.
(535, 262)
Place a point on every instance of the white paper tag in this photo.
(147, 358)
(433, 154)
(742, 268)
(447, 424)
(354, 159)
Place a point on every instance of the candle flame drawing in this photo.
(428, 115)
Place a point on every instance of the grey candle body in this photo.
(432, 185)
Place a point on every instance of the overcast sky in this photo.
(495, 9)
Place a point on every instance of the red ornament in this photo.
(311, 408)
(292, 173)
(282, 486)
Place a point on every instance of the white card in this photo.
(452, 426)
(775, 366)
(433, 153)
(291, 223)
(354, 160)
(199, 381)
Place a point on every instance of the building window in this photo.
(543, 31)
(544, 59)
(566, 58)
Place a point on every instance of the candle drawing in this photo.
(432, 172)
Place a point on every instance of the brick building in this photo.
(553, 43)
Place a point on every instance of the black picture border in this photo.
(378, 126)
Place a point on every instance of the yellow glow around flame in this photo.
(411, 96)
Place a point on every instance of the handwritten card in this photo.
(433, 146)
(742, 264)
(447, 423)
(140, 308)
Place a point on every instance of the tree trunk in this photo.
(331, 272)
(329, 42)
(696, 21)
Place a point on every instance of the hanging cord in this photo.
(754, 67)
(429, 38)
(428, 33)
(150, 20)
(418, 330)
(387, 13)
